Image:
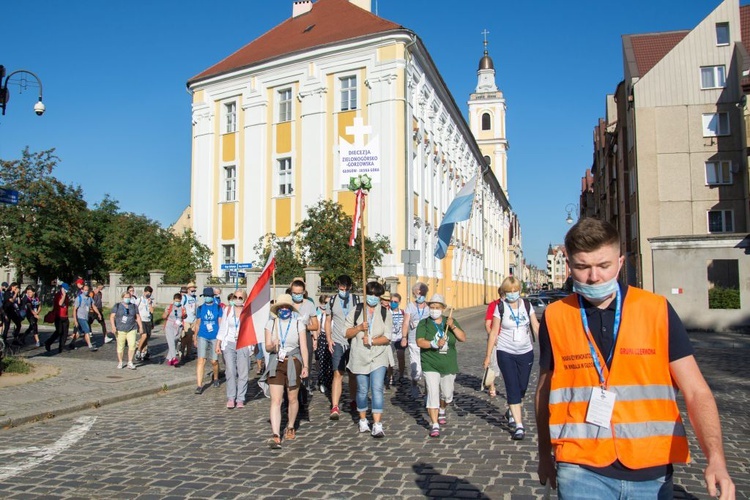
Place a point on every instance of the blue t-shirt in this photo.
(209, 316)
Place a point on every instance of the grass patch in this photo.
(15, 365)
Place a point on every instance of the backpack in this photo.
(527, 305)
(355, 300)
(358, 311)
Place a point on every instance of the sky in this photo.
(119, 116)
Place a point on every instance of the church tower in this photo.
(487, 118)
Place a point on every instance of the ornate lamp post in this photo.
(23, 83)
(570, 207)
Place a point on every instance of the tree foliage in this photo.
(322, 240)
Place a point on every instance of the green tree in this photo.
(134, 245)
(183, 256)
(45, 236)
(288, 263)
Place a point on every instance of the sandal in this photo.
(435, 432)
(275, 442)
(290, 434)
(519, 434)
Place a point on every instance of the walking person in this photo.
(236, 361)
(74, 294)
(146, 311)
(306, 310)
(98, 299)
(126, 322)
(338, 309)
(415, 312)
(207, 323)
(436, 338)
(393, 302)
(11, 304)
(173, 317)
(488, 315)
(612, 358)
(370, 328)
(190, 303)
(30, 306)
(287, 365)
(514, 326)
(84, 304)
(322, 354)
(60, 304)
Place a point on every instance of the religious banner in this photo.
(361, 157)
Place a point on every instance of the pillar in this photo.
(115, 280)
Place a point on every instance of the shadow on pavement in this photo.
(680, 493)
(433, 484)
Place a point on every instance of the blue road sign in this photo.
(225, 267)
(245, 265)
(236, 274)
(8, 196)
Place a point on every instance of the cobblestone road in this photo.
(178, 445)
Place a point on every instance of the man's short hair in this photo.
(148, 289)
(590, 234)
(374, 288)
(297, 283)
(344, 280)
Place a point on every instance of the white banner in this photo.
(361, 157)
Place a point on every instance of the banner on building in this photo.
(362, 157)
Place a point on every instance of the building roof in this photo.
(648, 49)
(329, 21)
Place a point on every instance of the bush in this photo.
(15, 365)
(723, 298)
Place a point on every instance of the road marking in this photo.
(42, 455)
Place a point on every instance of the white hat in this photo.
(284, 300)
(437, 299)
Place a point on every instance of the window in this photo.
(348, 93)
(230, 183)
(230, 112)
(285, 176)
(715, 124)
(718, 172)
(228, 258)
(713, 77)
(486, 121)
(720, 221)
(722, 33)
(285, 105)
(723, 284)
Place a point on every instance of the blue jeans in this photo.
(375, 380)
(576, 483)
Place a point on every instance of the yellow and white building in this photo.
(275, 123)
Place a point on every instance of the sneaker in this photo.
(137, 355)
(377, 430)
(230, 404)
(37, 345)
(435, 431)
(93, 348)
(119, 366)
(216, 383)
(441, 419)
(322, 389)
(107, 340)
(364, 426)
(47, 347)
(145, 356)
(511, 420)
(240, 404)
(519, 434)
(335, 412)
(275, 442)
(131, 366)
(199, 390)
(415, 394)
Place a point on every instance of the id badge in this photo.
(281, 355)
(601, 406)
(209, 327)
(124, 320)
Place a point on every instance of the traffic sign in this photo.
(410, 256)
(225, 267)
(236, 274)
(245, 265)
(8, 196)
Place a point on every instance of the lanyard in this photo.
(237, 321)
(439, 328)
(587, 331)
(421, 311)
(286, 333)
(513, 316)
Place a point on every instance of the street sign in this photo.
(410, 269)
(8, 196)
(236, 274)
(225, 267)
(236, 265)
(410, 256)
(245, 265)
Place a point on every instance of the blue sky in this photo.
(114, 78)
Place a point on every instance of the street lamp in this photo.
(23, 84)
(570, 207)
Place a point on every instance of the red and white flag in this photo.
(257, 308)
(359, 207)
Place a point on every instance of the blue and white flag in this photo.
(459, 210)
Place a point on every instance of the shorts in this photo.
(122, 338)
(281, 377)
(83, 325)
(207, 349)
(339, 358)
(148, 326)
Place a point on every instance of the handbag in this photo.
(50, 316)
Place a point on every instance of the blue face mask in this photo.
(394, 305)
(595, 292)
(126, 300)
(421, 299)
(284, 313)
(372, 300)
(344, 294)
(298, 297)
(208, 300)
(512, 296)
(177, 304)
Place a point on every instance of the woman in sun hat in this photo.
(287, 365)
(436, 338)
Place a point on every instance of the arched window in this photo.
(486, 121)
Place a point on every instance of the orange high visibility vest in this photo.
(646, 429)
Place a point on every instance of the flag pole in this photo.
(362, 236)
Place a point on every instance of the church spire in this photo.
(486, 72)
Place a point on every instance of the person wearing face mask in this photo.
(510, 342)
(415, 312)
(207, 323)
(306, 310)
(236, 361)
(190, 303)
(146, 309)
(611, 360)
(392, 302)
(173, 317)
(339, 307)
(287, 365)
(124, 319)
(436, 337)
(370, 328)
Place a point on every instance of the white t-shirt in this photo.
(415, 316)
(514, 336)
(286, 330)
(143, 307)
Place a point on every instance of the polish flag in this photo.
(257, 308)
(358, 209)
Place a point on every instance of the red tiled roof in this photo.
(328, 22)
(651, 48)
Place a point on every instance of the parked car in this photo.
(538, 304)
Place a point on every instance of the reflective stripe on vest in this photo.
(627, 431)
(624, 393)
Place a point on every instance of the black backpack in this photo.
(527, 305)
(355, 300)
(358, 311)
